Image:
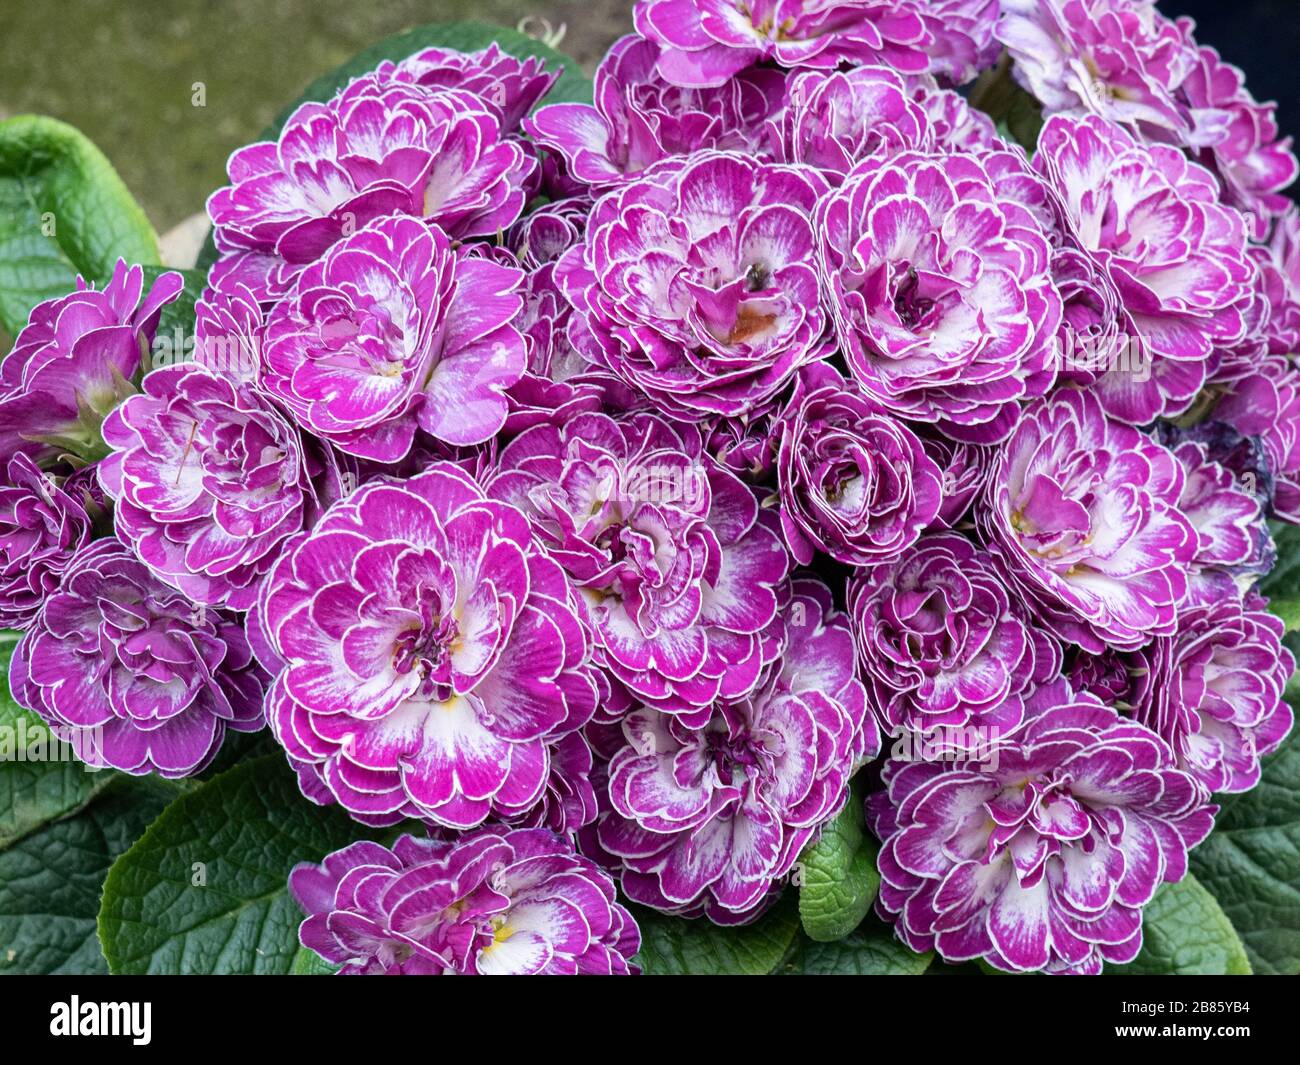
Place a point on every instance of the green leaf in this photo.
(240, 747)
(205, 889)
(837, 876)
(1288, 609)
(1291, 693)
(676, 946)
(63, 212)
(1283, 581)
(1185, 932)
(34, 789)
(309, 963)
(1251, 863)
(50, 881)
(1018, 116)
(870, 950)
(573, 85)
(1024, 121)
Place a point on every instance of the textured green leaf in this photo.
(63, 212)
(1185, 932)
(837, 877)
(309, 963)
(675, 946)
(872, 949)
(35, 790)
(204, 890)
(50, 881)
(573, 85)
(1251, 863)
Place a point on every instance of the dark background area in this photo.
(123, 70)
(1260, 36)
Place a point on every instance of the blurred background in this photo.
(123, 71)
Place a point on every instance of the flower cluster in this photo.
(604, 485)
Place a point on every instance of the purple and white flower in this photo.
(940, 643)
(392, 331)
(569, 802)
(708, 820)
(511, 86)
(706, 42)
(131, 673)
(954, 124)
(560, 381)
(696, 284)
(1120, 59)
(1237, 138)
(941, 290)
(73, 363)
(640, 119)
(1153, 222)
(1083, 513)
(835, 119)
(747, 445)
(963, 472)
(209, 481)
(493, 902)
(1279, 267)
(228, 327)
(1043, 857)
(855, 482)
(428, 653)
(1232, 535)
(43, 523)
(964, 43)
(1267, 405)
(1215, 691)
(379, 147)
(678, 576)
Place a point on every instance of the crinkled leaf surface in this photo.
(1283, 580)
(871, 949)
(1186, 933)
(309, 963)
(50, 880)
(204, 890)
(673, 946)
(837, 876)
(63, 212)
(1251, 863)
